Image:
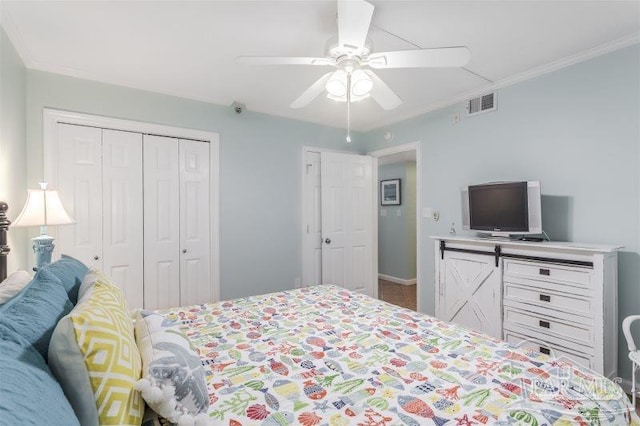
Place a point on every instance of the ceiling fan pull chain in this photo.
(348, 108)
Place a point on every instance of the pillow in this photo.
(34, 312)
(173, 382)
(70, 272)
(92, 276)
(28, 392)
(94, 356)
(13, 284)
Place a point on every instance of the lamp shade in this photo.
(43, 207)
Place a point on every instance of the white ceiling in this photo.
(187, 48)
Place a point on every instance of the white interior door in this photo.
(195, 250)
(79, 180)
(470, 287)
(122, 212)
(347, 222)
(161, 222)
(313, 221)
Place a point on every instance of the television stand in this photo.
(495, 237)
(531, 239)
(558, 298)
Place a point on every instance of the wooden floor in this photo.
(398, 294)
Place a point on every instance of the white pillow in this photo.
(13, 284)
(173, 380)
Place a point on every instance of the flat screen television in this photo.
(502, 208)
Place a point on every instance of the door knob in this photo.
(96, 257)
(184, 251)
(327, 240)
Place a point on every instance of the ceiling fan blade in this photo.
(312, 92)
(382, 94)
(354, 18)
(441, 57)
(284, 60)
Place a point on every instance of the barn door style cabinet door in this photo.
(469, 292)
(142, 210)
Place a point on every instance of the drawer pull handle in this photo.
(545, 272)
(545, 351)
(545, 298)
(544, 324)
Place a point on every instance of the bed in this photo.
(325, 355)
(321, 355)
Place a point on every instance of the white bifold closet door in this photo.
(177, 264)
(99, 176)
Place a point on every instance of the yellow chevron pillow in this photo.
(96, 360)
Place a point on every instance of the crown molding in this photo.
(559, 64)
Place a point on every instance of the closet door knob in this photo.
(184, 251)
(327, 240)
(96, 257)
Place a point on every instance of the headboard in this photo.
(4, 248)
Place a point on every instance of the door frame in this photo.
(411, 146)
(374, 246)
(52, 117)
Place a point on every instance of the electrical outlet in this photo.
(297, 283)
(455, 119)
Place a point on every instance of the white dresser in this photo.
(555, 297)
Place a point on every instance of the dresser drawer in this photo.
(577, 276)
(570, 331)
(539, 345)
(523, 292)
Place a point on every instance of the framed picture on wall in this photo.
(390, 192)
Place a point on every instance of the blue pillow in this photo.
(70, 272)
(29, 393)
(35, 311)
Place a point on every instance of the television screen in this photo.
(500, 207)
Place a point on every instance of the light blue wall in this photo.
(260, 170)
(397, 234)
(13, 146)
(576, 130)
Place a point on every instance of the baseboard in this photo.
(397, 280)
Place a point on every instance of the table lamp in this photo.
(43, 208)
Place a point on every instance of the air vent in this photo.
(484, 103)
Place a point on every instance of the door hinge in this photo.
(309, 165)
(307, 229)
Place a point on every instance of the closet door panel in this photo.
(195, 270)
(122, 212)
(161, 222)
(79, 180)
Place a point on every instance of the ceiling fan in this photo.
(351, 54)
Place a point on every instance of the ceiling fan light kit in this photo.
(361, 83)
(351, 54)
(337, 84)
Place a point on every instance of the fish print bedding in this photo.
(328, 356)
